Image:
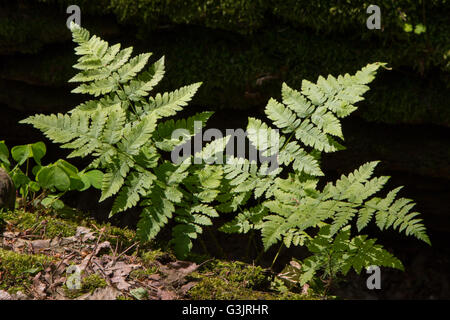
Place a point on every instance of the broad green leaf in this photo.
(53, 177)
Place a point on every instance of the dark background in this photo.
(242, 51)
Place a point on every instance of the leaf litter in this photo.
(89, 253)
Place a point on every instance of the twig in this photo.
(115, 259)
(95, 248)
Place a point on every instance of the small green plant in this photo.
(40, 185)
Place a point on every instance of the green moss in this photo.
(150, 257)
(223, 280)
(88, 285)
(92, 282)
(122, 237)
(122, 297)
(141, 274)
(17, 270)
(248, 276)
(213, 288)
(49, 226)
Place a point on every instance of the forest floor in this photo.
(48, 257)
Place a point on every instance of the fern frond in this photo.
(134, 138)
(145, 82)
(114, 179)
(264, 138)
(312, 136)
(351, 186)
(169, 104)
(302, 161)
(163, 134)
(130, 69)
(245, 221)
(155, 214)
(281, 116)
(272, 230)
(136, 185)
(296, 102)
(396, 214)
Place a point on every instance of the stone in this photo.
(7, 191)
(5, 295)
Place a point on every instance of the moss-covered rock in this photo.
(7, 191)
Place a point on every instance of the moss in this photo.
(123, 297)
(142, 274)
(150, 257)
(214, 288)
(301, 40)
(88, 285)
(248, 276)
(17, 270)
(123, 238)
(222, 280)
(92, 282)
(47, 225)
(50, 225)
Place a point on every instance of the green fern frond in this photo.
(245, 221)
(169, 104)
(281, 116)
(296, 102)
(264, 138)
(114, 179)
(130, 69)
(272, 230)
(163, 134)
(135, 137)
(136, 186)
(145, 82)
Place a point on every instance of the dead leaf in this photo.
(39, 287)
(188, 286)
(107, 293)
(40, 244)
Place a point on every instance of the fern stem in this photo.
(205, 249)
(276, 256)
(249, 243)
(216, 242)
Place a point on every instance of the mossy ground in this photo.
(223, 280)
(61, 224)
(88, 285)
(17, 270)
(214, 279)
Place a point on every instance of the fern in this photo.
(334, 255)
(290, 205)
(123, 132)
(119, 131)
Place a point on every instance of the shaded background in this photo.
(242, 50)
